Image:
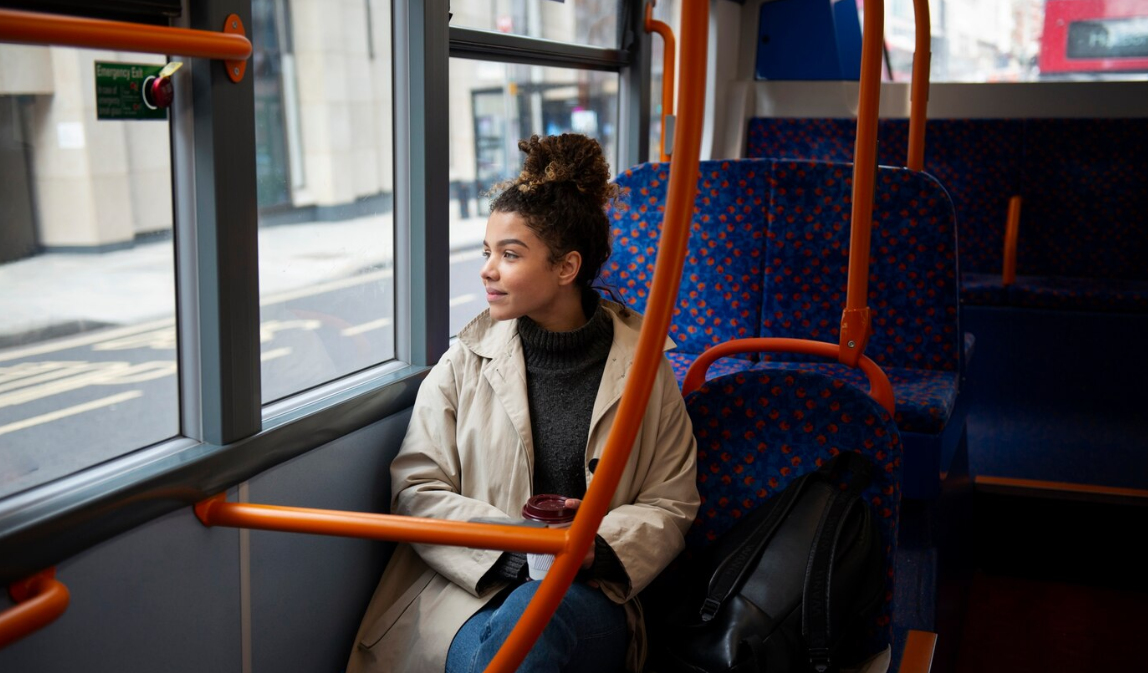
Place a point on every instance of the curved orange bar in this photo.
(855, 328)
(218, 512)
(40, 600)
(879, 387)
(919, 91)
(668, 67)
(640, 380)
(71, 31)
(1012, 236)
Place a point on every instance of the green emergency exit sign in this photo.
(119, 91)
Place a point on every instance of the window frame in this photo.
(227, 435)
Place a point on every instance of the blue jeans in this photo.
(587, 634)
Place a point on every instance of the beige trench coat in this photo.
(468, 453)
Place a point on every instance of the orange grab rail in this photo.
(919, 90)
(855, 328)
(668, 53)
(569, 545)
(71, 31)
(879, 387)
(1012, 235)
(217, 511)
(917, 656)
(40, 600)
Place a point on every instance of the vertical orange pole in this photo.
(919, 92)
(1012, 234)
(667, 276)
(668, 56)
(855, 319)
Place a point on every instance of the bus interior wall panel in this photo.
(163, 596)
(325, 587)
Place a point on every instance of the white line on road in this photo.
(70, 411)
(366, 327)
(275, 353)
(462, 299)
(84, 339)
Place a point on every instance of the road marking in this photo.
(366, 327)
(84, 339)
(275, 353)
(162, 339)
(108, 374)
(70, 411)
(462, 299)
(320, 288)
(49, 371)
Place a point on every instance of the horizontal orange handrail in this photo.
(71, 31)
(879, 387)
(218, 512)
(668, 55)
(40, 600)
(855, 327)
(919, 89)
(1012, 236)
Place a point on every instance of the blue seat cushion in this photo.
(1109, 295)
(681, 363)
(925, 397)
(983, 289)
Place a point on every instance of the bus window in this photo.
(1093, 39)
(324, 162)
(88, 367)
(589, 22)
(492, 107)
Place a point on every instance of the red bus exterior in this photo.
(1094, 36)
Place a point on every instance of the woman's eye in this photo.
(509, 255)
(486, 254)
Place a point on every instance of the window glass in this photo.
(588, 22)
(87, 285)
(492, 107)
(1022, 40)
(324, 162)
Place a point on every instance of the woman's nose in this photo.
(488, 270)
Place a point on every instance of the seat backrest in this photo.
(721, 288)
(913, 278)
(758, 430)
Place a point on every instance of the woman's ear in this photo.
(568, 267)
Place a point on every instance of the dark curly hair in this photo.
(562, 194)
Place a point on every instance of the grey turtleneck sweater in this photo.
(563, 373)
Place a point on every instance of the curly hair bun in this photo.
(567, 158)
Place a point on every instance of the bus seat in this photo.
(757, 431)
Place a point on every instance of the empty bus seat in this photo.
(913, 290)
(1084, 184)
(758, 431)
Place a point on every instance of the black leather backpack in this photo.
(788, 588)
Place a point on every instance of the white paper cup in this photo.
(539, 564)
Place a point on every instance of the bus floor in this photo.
(1057, 584)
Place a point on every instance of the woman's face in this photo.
(520, 279)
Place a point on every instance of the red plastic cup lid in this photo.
(548, 508)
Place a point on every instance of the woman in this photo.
(521, 405)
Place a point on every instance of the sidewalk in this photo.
(56, 294)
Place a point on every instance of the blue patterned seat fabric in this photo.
(1083, 234)
(720, 294)
(757, 431)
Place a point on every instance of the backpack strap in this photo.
(818, 574)
(731, 572)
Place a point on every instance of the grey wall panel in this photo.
(163, 597)
(308, 593)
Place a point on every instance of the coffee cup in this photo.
(551, 510)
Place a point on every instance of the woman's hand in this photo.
(587, 562)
